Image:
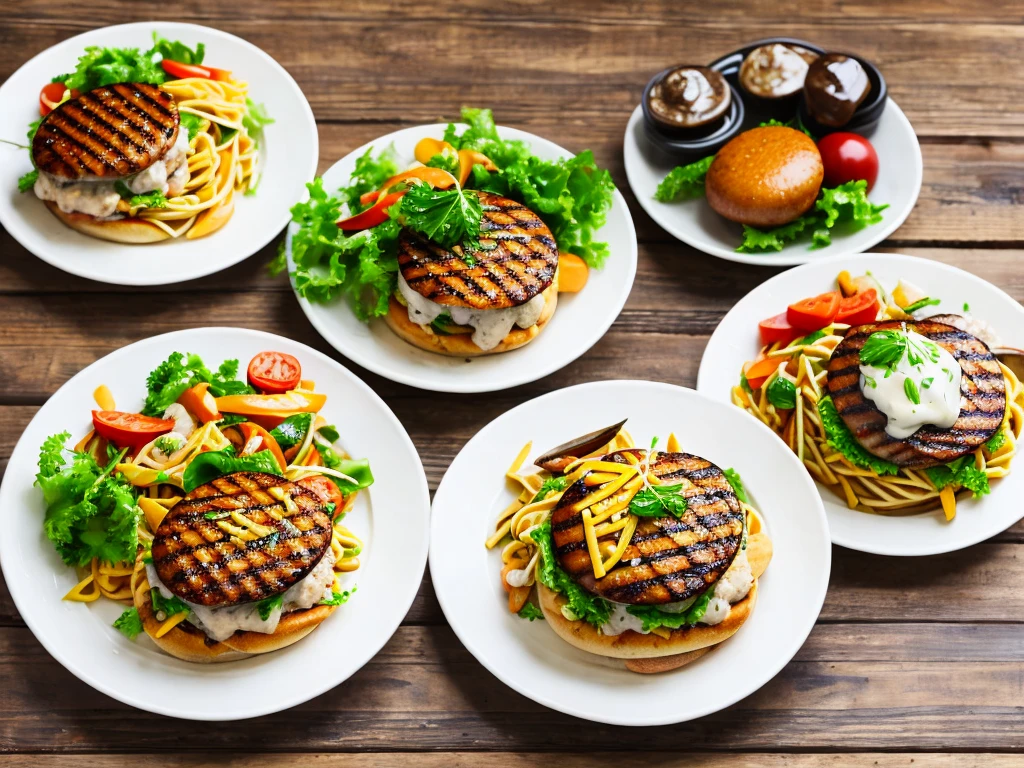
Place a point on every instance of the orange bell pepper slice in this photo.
(435, 177)
(200, 403)
(758, 373)
(470, 157)
(255, 438)
(282, 405)
(428, 147)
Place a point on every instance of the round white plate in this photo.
(735, 341)
(289, 155)
(529, 656)
(391, 516)
(580, 320)
(697, 225)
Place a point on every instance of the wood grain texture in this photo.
(915, 662)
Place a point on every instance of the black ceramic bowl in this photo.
(758, 108)
(865, 119)
(694, 144)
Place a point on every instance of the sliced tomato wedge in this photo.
(218, 74)
(758, 373)
(181, 71)
(274, 372)
(326, 489)
(131, 430)
(777, 329)
(859, 309)
(371, 217)
(814, 313)
(255, 439)
(50, 96)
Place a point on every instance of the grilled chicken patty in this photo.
(668, 559)
(109, 133)
(200, 557)
(515, 261)
(982, 397)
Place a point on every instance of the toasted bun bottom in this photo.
(461, 344)
(130, 231)
(190, 644)
(652, 653)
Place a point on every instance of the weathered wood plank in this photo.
(444, 697)
(673, 759)
(359, 68)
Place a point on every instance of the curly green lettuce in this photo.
(91, 512)
(579, 603)
(961, 473)
(841, 439)
(169, 380)
(653, 617)
(684, 182)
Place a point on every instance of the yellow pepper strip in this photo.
(520, 459)
(592, 548)
(605, 528)
(624, 538)
(604, 492)
(599, 478)
(630, 489)
(672, 445)
(104, 399)
(948, 499)
(153, 511)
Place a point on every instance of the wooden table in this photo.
(918, 656)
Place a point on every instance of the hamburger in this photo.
(247, 558)
(94, 151)
(670, 585)
(491, 296)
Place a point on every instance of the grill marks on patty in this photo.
(109, 133)
(199, 562)
(982, 397)
(516, 260)
(676, 559)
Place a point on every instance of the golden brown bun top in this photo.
(108, 133)
(516, 260)
(201, 558)
(765, 176)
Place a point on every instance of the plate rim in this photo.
(90, 678)
(871, 545)
(457, 384)
(311, 138)
(883, 230)
(542, 698)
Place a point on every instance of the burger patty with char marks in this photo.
(200, 557)
(668, 559)
(982, 397)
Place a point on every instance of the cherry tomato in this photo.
(50, 96)
(776, 329)
(848, 157)
(181, 71)
(859, 309)
(129, 429)
(274, 372)
(814, 313)
(326, 489)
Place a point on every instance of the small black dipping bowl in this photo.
(694, 143)
(865, 119)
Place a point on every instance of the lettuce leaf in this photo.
(653, 617)
(684, 182)
(961, 473)
(530, 612)
(583, 605)
(129, 623)
(841, 439)
(167, 382)
(90, 511)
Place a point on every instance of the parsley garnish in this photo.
(557, 483)
(168, 606)
(446, 216)
(338, 598)
(921, 304)
(26, 182)
(153, 199)
(737, 485)
(910, 389)
(170, 443)
(530, 612)
(129, 624)
(961, 473)
(996, 441)
(885, 349)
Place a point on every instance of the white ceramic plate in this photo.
(735, 341)
(697, 225)
(531, 658)
(391, 515)
(289, 154)
(580, 320)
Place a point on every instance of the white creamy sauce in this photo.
(517, 577)
(220, 623)
(99, 198)
(490, 325)
(734, 585)
(935, 379)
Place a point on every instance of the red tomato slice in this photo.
(129, 429)
(814, 313)
(50, 96)
(371, 217)
(274, 372)
(777, 329)
(218, 74)
(181, 71)
(859, 309)
(326, 489)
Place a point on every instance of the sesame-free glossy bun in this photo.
(130, 231)
(765, 177)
